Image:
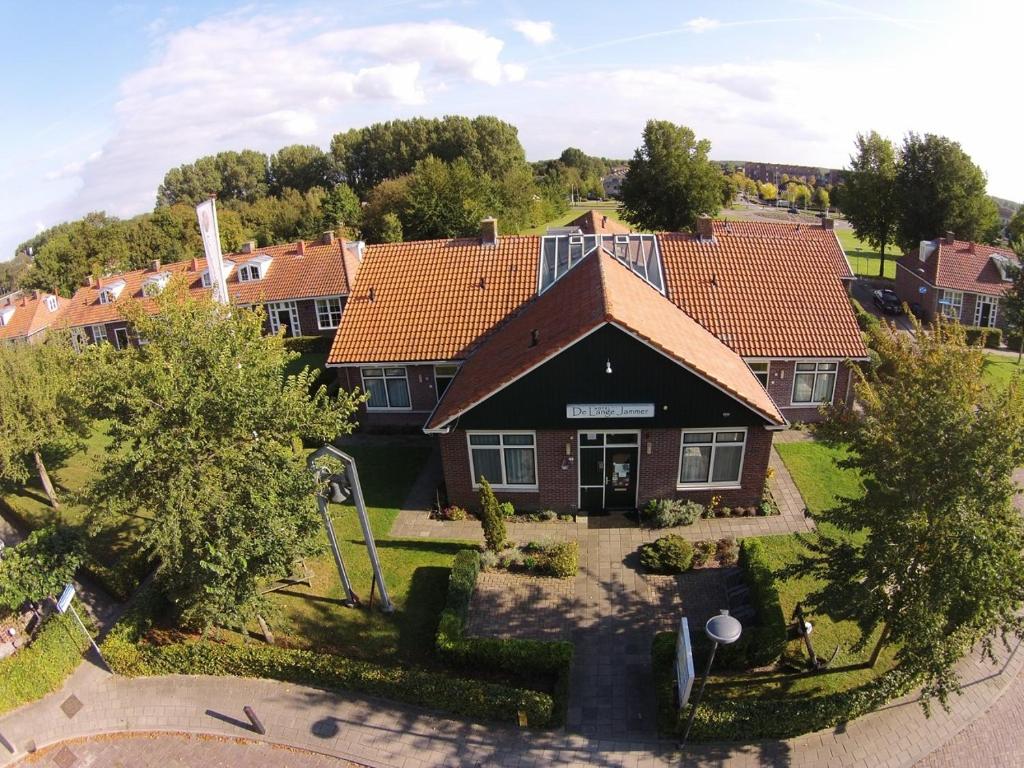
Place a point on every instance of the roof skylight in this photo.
(560, 253)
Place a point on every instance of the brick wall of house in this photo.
(422, 395)
(908, 289)
(558, 488)
(780, 387)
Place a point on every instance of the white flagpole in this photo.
(206, 212)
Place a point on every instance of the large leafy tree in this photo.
(302, 167)
(207, 444)
(930, 557)
(228, 175)
(939, 189)
(42, 410)
(1015, 229)
(1012, 307)
(39, 566)
(446, 200)
(869, 193)
(670, 181)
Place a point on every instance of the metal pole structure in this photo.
(350, 596)
(700, 693)
(364, 521)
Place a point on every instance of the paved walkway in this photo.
(376, 733)
(174, 750)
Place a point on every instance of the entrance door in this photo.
(985, 312)
(620, 478)
(284, 318)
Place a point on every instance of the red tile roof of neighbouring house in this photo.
(31, 314)
(596, 223)
(599, 291)
(433, 299)
(960, 265)
(320, 270)
(766, 289)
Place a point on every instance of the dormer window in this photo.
(110, 292)
(206, 281)
(1007, 268)
(51, 303)
(255, 269)
(5, 315)
(151, 286)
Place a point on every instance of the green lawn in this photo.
(607, 208)
(821, 482)
(108, 546)
(864, 259)
(1000, 369)
(416, 573)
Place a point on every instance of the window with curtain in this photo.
(950, 304)
(504, 459)
(388, 388)
(814, 383)
(711, 457)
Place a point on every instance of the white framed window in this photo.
(249, 272)
(99, 334)
(506, 459)
(388, 389)
(106, 297)
(814, 383)
(951, 303)
(51, 303)
(711, 457)
(760, 371)
(121, 338)
(284, 313)
(204, 281)
(443, 375)
(328, 313)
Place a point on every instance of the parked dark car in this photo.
(887, 301)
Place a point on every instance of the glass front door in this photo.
(620, 478)
(608, 470)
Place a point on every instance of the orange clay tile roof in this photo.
(320, 271)
(765, 289)
(31, 315)
(595, 223)
(597, 291)
(955, 267)
(434, 299)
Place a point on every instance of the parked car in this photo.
(887, 301)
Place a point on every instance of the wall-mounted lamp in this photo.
(608, 366)
(568, 448)
(649, 445)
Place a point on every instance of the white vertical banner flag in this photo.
(207, 214)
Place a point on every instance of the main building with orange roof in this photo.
(594, 368)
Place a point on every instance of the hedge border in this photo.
(42, 666)
(424, 688)
(768, 638)
(765, 718)
(544, 661)
(308, 343)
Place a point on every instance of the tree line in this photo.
(403, 179)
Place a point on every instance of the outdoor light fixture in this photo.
(721, 629)
(608, 366)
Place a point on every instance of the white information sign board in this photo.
(684, 663)
(65, 598)
(609, 411)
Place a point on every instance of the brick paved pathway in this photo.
(165, 750)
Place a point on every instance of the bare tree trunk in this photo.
(881, 262)
(878, 646)
(44, 478)
(1020, 347)
(265, 628)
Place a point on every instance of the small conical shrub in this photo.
(491, 518)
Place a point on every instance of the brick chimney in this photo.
(154, 265)
(827, 223)
(36, 293)
(973, 247)
(327, 238)
(195, 264)
(489, 231)
(89, 282)
(249, 247)
(949, 238)
(705, 230)
(301, 247)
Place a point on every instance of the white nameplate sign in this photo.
(609, 411)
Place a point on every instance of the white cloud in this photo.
(252, 80)
(702, 24)
(537, 32)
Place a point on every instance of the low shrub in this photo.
(44, 665)
(563, 560)
(668, 513)
(308, 343)
(452, 512)
(669, 554)
(757, 717)
(1013, 341)
(488, 560)
(536, 662)
(768, 639)
(507, 510)
(865, 320)
(988, 337)
(726, 551)
(703, 551)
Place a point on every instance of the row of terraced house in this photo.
(588, 369)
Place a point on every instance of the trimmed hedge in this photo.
(537, 661)
(992, 338)
(768, 639)
(423, 688)
(1013, 341)
(865, 320)
(44, 665)
(755, 717)
(308, 343)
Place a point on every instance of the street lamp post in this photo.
(721, 629)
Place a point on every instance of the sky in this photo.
(101, 99)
